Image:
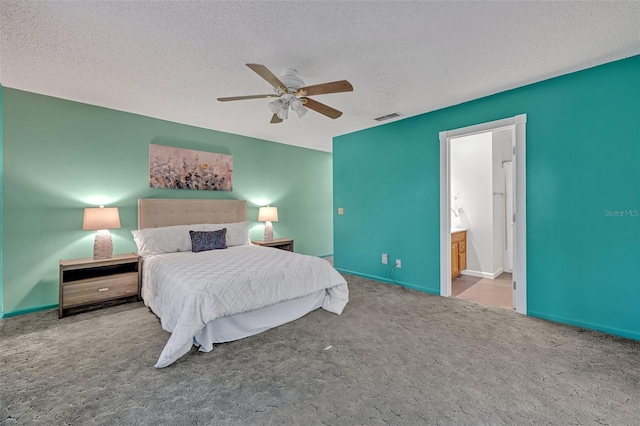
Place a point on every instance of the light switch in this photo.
(340, 210)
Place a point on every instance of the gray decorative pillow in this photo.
(208, 240)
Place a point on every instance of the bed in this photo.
(216, 296)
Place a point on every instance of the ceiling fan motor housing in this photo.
(291, 80)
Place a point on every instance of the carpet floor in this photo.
(397, 357)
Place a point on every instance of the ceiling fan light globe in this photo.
(302, 111)
(283, 113)
(296, 104)
(274, 106)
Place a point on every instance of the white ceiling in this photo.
(171, 60)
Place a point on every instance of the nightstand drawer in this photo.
(96, 290)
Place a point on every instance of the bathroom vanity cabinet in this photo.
(458, 252)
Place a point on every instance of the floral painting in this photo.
(179, 168)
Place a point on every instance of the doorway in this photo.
(481, 192)
(489, 245)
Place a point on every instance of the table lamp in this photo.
(101, 219)
(268, 214)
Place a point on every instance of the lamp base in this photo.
(268, 231)
(103, 245)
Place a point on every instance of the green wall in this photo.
(62, 156)
(1, 150)
(583, 163)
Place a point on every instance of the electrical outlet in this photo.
(385, 259)
(398, 263)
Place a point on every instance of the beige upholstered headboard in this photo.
(156, 212)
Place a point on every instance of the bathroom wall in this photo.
(477, 181)
(502, 146)
(472, 183)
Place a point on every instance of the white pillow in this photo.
(237, 233)
(167, 239)
(171, 239)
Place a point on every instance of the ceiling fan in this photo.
(292, 93)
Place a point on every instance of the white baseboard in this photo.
(481, 274)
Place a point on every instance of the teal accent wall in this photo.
(583, 195)
(62, 156)
(1, 152)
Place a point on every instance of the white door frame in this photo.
(519, 125)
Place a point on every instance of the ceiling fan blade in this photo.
(264, 72)
(275, 119)
(325, 88)
(240, 98)
(322, 108)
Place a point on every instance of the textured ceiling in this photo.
(171, 60)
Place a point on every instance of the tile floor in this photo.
(496, 292)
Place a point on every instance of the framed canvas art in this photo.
(180, 168)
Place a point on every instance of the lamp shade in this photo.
(97, 218)
(268, 214)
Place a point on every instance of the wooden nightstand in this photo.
(87, 284)
(279, 243)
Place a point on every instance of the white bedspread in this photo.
(187, 290)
